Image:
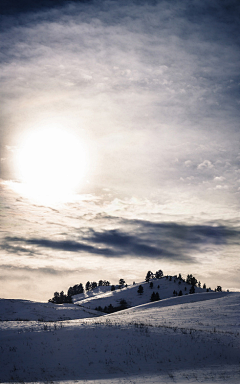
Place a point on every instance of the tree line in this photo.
(60, 298)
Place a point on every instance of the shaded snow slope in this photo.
(25, 310)
(182, 339)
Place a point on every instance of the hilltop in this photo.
(166, 287)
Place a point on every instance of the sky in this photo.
(119, 139)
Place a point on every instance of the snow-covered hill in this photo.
(26, 310)
(191, 338)
(84, 304)
(103, 296)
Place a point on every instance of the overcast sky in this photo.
(153, 90)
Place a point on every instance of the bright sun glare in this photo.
(51, 163)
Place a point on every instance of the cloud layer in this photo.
(153, 89)
(169, 241)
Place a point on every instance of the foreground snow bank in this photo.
(196, 341)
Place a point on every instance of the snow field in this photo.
(189, 341)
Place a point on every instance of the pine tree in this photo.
(88, 286)
(94, 285)
(140, 290)
(159, 274)
(149, 276)
(192, 289)
(123, 304)
(155, 296)
(110, 308)
(121, 282)
(151, 285)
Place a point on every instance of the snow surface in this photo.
(26, 310)
(187, 339)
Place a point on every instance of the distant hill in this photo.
(166, 287)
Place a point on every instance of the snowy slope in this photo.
(183, 339)
(103, 296)
(25, 310)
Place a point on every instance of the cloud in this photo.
(219, 178)
(188, 163)
(148, 80)
(219, 186)
(63, 245)
(170, 241)
(205, 164)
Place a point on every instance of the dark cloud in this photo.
(196, 234)
(145, 239)
(63, 245)
(13, 7)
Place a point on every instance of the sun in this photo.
(51, 163)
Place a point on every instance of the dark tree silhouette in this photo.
(94, 285)
(159, 274)
(88, 286)
(192, 289)
(60, 298)
(140, 290)
(149, 276)
(123, 304)
(155, 296)
(191, 280)
(121, 282)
